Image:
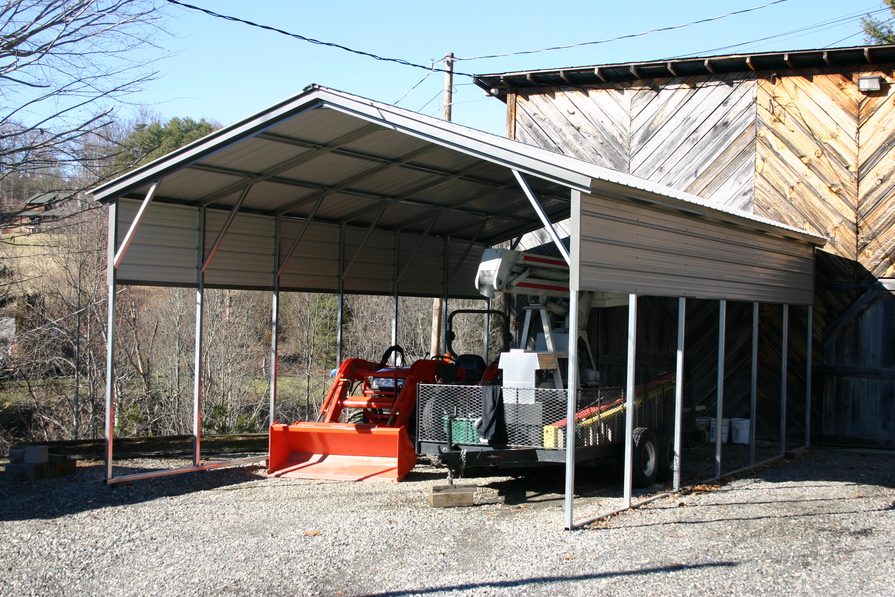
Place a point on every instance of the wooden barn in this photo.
(804, 138)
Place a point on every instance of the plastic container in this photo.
(725, 431)
(704, 424)
(740, 428)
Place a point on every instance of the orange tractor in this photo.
(373, 441)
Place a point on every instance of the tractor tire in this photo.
(354, 416)
(665, 440)
(646, 457)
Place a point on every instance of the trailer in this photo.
(529, 427)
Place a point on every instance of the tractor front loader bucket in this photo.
(340, 451)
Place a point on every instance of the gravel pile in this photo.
(818, 525)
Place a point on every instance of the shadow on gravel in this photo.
(86, 491)
(770, 516)
(543, 580)
(548, 485)
(826, 466)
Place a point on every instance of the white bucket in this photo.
(705, 424)
(725, 430)
(740, 430)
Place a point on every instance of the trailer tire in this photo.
(665, 440)
(646, 457)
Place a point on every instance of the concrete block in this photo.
(449, 496)
(17, 454)
(37, 454)
(64, 464)
(31, 471)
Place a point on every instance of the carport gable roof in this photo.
(343, 160)
(296, 151)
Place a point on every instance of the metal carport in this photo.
(331, 192)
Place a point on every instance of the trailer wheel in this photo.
(646, 457)
(665, 439)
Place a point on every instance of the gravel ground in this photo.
(821, 524)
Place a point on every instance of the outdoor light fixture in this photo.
(870, 83)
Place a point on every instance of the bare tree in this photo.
(64, 64)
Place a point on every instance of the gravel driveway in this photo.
(818, 525)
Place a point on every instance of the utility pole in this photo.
(438, 304)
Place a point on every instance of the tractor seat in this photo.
(473, 365)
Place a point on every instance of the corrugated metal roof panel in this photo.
(192, 185)
(246, 254)
(386, 142)
(165, 249)
(319, 125)
(329, 169)
(268, 195)
(627, 248)
(255, 155)
(398, 182)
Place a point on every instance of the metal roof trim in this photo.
(688, 66)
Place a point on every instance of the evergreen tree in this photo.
(879, 31)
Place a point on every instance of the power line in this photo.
(629, 36)
(823, 25)
(317, 41)
(421, 81)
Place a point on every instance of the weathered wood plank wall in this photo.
(806, 149)
(688, 133)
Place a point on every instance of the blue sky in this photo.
(224, 71)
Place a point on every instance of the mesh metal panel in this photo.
(536, 418)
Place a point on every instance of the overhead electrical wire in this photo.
(421, 81)
(435, 68)
(818, 26)
(316, 41)
(630, 35)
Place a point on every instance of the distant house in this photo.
(802, 137)
(7, 343)
(39, 208)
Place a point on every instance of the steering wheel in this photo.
(388, 352)
(445, 358)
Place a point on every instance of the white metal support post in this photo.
(679, 391)
(442, 342)
(202, 262)
(274, 324)
(784, 366)
(341, 299)
(629, 395)
(396, 272)
(486, 341)
(810, 341)
(753, 397)
(722, 340)
(197, 367)
(111, 280)
(571, 410)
